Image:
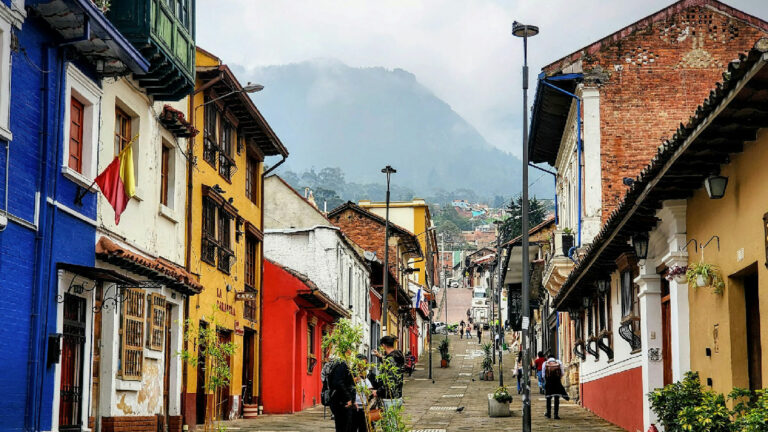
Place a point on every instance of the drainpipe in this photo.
(266, 173)
(579, 150)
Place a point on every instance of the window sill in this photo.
(76, 177)
(121, 384)
(150, 353)
(168, 213)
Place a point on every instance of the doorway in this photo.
(72, 352)
(202, 396)
(167, 362)
(248, 364)
(666, 331)
(754, 354)
(221, 396)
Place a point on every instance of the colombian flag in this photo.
(117, 182)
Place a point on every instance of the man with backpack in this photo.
(553, 373)
(338, 393)
(389, 382)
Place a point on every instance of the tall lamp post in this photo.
(499, 263)
(525, 31)
(388, 170)
(430, 256)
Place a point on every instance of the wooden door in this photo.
(248, 357)
(666, 339)
(201, 401)
(72, 353)
(754, 350)
(221, 398)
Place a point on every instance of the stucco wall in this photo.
(718, 321)
(285, 208)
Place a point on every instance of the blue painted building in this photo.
(53, 58)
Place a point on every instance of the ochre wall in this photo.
(737, 219)
(624, 390)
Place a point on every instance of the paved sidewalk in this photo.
(432, 406)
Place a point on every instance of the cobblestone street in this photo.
(432, 407)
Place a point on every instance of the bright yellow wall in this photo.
(737, 219)
(213, 280)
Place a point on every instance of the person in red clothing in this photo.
(538, 363)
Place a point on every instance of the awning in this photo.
(97, 274)
(320, 301)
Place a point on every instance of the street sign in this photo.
(246, 296)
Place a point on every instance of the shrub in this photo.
(443, 348)
(502, 395)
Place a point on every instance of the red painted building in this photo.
(296, 314)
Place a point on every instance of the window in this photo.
(219, 139)
(165, 162)
(156, 322)
(311, 358)
(629, 300)
(5, 77)
(225, 145)
(81, 120)
(122, 130)
(208, 252)
(225, 251)
(250, 260)
(252, 180)
(209, 135)
(132, 335)
(76, 111)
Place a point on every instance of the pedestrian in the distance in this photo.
(342, 387)
(519, 371)
(469, 332)
(479, 333)
(461, 330)
(553, 373)
(538, 364)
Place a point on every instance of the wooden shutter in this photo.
(76, 110)
(157, 322)
(164, 166)
(132, 336)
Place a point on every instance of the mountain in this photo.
(360, 119)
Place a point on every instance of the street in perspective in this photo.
(432, 215)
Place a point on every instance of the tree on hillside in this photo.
(326, 198)
(512, 226)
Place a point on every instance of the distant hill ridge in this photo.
(360, 119)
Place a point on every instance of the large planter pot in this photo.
(443, 363)
(497, 409)
(567, 243)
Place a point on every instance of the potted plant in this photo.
(677, 273)
(487, 372)
(445, 357)
(498, 403)
(567, 239)
(703, 274)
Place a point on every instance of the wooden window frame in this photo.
(123, 130)
(132, 335)
(251, 252)
(76, 123)
(165, 161)
(156, 310)
(311, 347)
(211, 116)
(208, 231)
(224, 238)
(252, 180)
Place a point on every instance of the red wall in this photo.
(617, 398)
(286, 385)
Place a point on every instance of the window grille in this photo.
(132, 334)
(157, 322)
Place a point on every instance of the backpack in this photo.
(325, 374)
(552, 370)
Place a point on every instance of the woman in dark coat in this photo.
(553, 387)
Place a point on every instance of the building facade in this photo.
(224, 213)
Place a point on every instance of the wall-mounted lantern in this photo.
(586, 301)
(715, 185)
(640, 243)
(603, 285)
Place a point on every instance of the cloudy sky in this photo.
(460, 49)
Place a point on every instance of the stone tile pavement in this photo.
(431, 406)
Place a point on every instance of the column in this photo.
(650, 333)
(592, 164)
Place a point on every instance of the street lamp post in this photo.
(388, 170)
(525, 31)
(442, 281)
(430, 256)
(500, 283)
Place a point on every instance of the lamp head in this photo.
(252, 88)
(640, 243)
(388, 170)
(524, 30)
(715, 185)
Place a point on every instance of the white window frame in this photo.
(7, 19)
(88, 93)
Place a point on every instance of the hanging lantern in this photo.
(715, 186)
(603, 285)
(640, 243)
(586, 301)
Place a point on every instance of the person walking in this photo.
(342, 390)
(461, 330)
(553, 373)
(519, 371)
(389, 386)
(358, 423)
(479, 333)
(538, 364)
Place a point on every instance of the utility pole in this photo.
(524, 31)
(500, 283)
(388, 170)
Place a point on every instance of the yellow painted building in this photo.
(721, 349)
(224, 230)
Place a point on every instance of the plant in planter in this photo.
(567, 239)
(703, 274)
(677, 273)
(445, 357)
(498, 403)
(487, 364)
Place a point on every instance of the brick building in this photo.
(599, 116)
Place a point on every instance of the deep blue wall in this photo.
(28, 258)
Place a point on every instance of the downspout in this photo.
(266, 173)
(579, 150)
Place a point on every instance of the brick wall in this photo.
(129, 424)
(652, 76)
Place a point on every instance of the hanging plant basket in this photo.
(703, 274)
